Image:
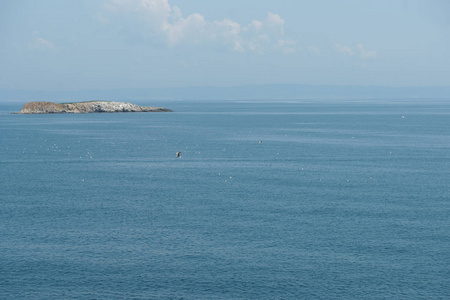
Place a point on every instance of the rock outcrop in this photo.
(86, 107)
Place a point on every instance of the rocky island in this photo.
(86, 107)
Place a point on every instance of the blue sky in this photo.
(107, 44)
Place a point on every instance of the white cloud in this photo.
(286, 46)
(40, 43)
(343, 49)
(363, 53)
(366, 53)
(168, 22)
(184, 64)
(100, 17)
(256, 25)
(191, 29)
(275, 21)
(313, 49)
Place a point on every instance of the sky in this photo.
(109, 44)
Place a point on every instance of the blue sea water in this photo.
(341, 200)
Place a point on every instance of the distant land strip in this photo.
(242, 92)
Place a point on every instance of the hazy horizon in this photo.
(241, 92)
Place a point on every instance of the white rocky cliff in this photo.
(86, 107)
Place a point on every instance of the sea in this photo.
(277, 199)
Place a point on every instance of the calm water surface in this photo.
(341, 200)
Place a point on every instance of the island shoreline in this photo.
(42, 107)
